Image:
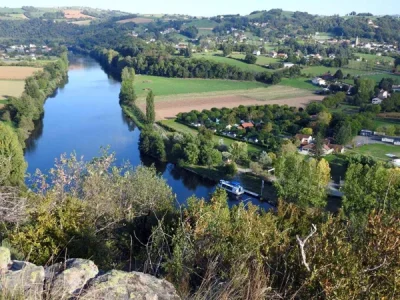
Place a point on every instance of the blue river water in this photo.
(85, 115)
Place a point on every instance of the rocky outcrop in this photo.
(70, 280)
(133, 285)
(77, 279)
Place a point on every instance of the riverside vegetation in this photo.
(21, 112)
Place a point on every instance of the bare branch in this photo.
(302, 244)
(12, 207)
(377, 267)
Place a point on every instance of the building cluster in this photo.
(308, 146)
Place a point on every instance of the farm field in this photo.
(137, 20)
(13, 88)
(203, 23)
(300, 83)
(16, 73)
(163, 86)
(261, 60)
(75, 14)
(231, 61)
(375, 57)
(378, 151)
(183, 95)
(186, 129)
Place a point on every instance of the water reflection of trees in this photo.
(126, 120)
(190, 180)
(31, 142)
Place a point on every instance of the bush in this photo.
(231, 169)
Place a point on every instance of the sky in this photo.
(216, 7)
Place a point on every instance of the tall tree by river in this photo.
(150, 110)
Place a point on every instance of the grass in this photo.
(231, 61)
(378, 151)
(385, 122)
(375, 57)
(163, 86)
(261, 60)
(188, 130)
(13, 88)
(203, 23)
(300, 83)
(319, 70)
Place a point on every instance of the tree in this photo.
(319, 143)
(150, 110)
(250, 58)
(324, 118)
(370, 188)
(127, 94)
(191, 152)
(339, 74)
(344, 134)
(238, 151)
(11, 154)
(227, 49)
(302, 182)
(308, 131)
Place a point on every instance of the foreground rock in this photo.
(77, 279)
(69, 282)
(134, 285)
(22, 280)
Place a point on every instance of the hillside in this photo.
(58, 13)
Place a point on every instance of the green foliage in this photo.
(344, 134)
(250, 58)
(12, 161)
(369, 188)
(302, 182)
(127, 95)
(151, 143)
(150, 109)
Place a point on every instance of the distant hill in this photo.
(69, 14)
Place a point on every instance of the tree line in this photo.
(22, 111)
(170, 66)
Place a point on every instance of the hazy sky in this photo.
(215, 7)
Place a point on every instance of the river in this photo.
(85, 115)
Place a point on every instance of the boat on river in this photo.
(232, 187)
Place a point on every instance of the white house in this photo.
(273, 54)
(288, 65)
(376, 101)
(318, 81)
(256, 52)
(304, 139)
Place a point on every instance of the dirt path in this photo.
(170, 108)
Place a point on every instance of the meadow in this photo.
(163, 86)
(261, 60)
(378, 151)
(16, 73)
(231, 61)
(11, 88)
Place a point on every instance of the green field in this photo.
(375, 57)
(231, 61)
(227, 141)
(261, 60)
(378, 151)
(163, 86)
(320, 70)
(8, 10)
(300, 83)
(202, 23)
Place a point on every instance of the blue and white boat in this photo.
(232, 187)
